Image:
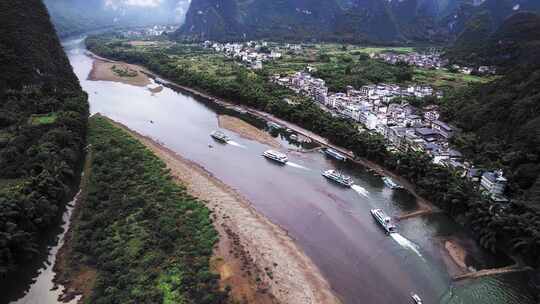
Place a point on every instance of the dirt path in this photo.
(457, 253)
(419, 212)
(490, 272)
(257, 258)
(246, 130)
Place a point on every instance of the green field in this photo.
(43, 119)
(10, 183)
(446, 79)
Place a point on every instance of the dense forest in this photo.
(43, 114)
(500, 125)
(501, 120)
(514, 230)
(149, 240)
(515, 41)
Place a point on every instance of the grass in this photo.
(6, 183)
(166, 283)
(443, 78)
(43, 119)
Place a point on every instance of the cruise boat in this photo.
(220, 136)
(276, 156)
(384, 220)
(390, 183)
(273, 125)
(338, 178)
(416, 298)
(335, 154)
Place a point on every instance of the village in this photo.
(383, 109)
(149, 31)
(253, 53)
(430, 60)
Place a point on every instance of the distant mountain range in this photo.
(347, 20)
(76, 16)
(375, 21)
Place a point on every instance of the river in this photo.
(331, 224)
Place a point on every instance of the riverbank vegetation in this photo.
(124, 71)
(43, 114)
(149, 241)
(514, 231)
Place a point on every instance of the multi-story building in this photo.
(493, 182)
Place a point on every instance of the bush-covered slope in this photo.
(149, 241)
(43, 114)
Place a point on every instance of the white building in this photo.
(493, 182)
(275, 55)
(352, 111)
(257, 65)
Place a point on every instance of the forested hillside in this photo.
(501, 128)
(378, 21)
(43, 114)
(501, 120)
(515, 41)
(479, 29)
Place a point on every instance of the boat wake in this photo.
(406, 243)
(360, 190)
(233, 143)
(297, 166)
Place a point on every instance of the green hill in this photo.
(31, 51)
(501, 120)
(43, 115)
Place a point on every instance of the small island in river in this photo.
(106, 70)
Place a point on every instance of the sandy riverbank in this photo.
(255, 257)
(246, 130)
(457, 253)
(103, 70)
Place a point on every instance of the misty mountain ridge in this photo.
(76, 16)
(357, 21)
